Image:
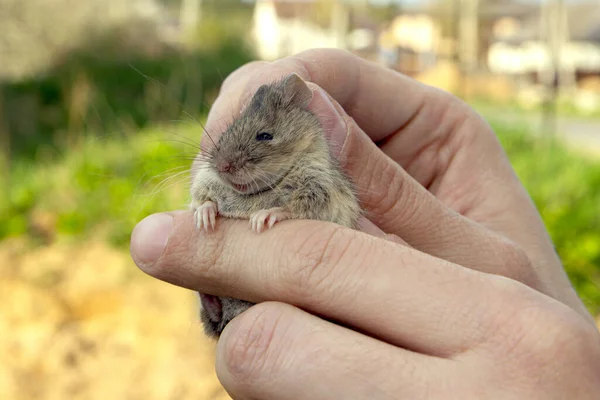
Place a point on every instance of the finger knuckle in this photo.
(497, 324)
(540, 340)
(532, 333)
(316, 261)
(210, 255)
(399, 201)
(384, 199)
(252, 348)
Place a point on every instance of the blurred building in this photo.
(520, 48)
(37, 32)
(282, 28)
(411, 42)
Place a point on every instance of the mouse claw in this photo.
(268, 217)
(213, 217)
(205, 216)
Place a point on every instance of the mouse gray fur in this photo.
(272, 163)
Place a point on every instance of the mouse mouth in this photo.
(254, 186)
(244, 188)
(239, 187)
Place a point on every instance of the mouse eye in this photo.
(262, 136)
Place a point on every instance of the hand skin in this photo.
(451, 289)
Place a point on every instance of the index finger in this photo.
(398, 294)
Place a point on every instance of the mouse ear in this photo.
(258, 99)
(296, 90)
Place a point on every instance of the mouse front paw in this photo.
(205, 216)
(269, 217)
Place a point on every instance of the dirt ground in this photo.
(84, 323)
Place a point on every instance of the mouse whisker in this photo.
(189, 142)
(163, 86)
(283, 165)
(200, 168)
(207, 133)
(177, 158)
(203, 159)
(158, 83)
(191, 116)
(183, 121)
(179, 169)
(254, 186)
(263, 176)
(169, 182)
(182, 182)
(195, 146)
(206, 153)
(150, 196)
(183, 140)
(173, 173)
(146, 182)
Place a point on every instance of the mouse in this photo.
(271, 163)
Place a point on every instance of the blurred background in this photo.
(101, 105)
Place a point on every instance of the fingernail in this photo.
(332, 122)
(367, 226)
(149, 238)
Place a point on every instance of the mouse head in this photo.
(269, 136)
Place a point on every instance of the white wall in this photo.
(266, 30)
(532, 56)
(276, 38)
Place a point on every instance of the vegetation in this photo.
(566, 189)
(564, 108)
(88, 144)
(103, 189)
(115, 83)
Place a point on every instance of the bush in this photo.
(102, 190)
(79, 150)
(117, 82)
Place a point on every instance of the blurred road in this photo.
(582, 134)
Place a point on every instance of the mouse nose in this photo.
(224, 166)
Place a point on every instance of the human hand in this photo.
(476, 305)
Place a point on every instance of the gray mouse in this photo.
(272, 163)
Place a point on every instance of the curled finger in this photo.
(273, 350)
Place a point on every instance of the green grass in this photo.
(564, 109)
(103, 188)
(107, 186)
